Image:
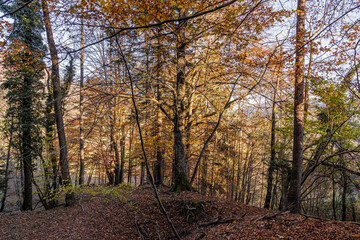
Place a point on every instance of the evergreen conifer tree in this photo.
(24, 67)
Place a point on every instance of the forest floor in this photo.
(127, 213)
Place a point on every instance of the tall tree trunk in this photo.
(115, 149)
(295, 185)
(212, 189)
(274, 191)
(142, 173)
(109, 173)
(204, 169)
(130, 160)
(353, 208)
(158, 168)
(272, 163)
(49, 142)
(343, 197)
(122, 151)
(307, 83)
(55, 77)
(233, 177)
(334, 198)
(47, 185)
(239, 160)
(180, 182)
(81, 133)
(249, 180)
(26, 149)
(245, 173)
(285, 181)
(188, 121)
(6, 180)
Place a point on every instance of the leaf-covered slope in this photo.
(134, 214)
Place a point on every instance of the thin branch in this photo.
(143, 144)
(342, 168)
(16, 10)
(319, 33)
(310, 168)
(196, 15)
(227, 104)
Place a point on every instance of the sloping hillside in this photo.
(124, 213)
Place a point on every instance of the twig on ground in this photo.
(157, 231)
(82, 208)
(295, 222)
(327, 220)
(201, 236)
(270, 217)
(314, 217)
(219, 221)
(142, 231)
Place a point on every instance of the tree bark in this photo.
(122, 151)
(273, 152)
(49, 134)
(81, 133)
(180, 182)
(158, 168)
(115, 149)
(142, 173)
(204, 174)
(239, 160)
(343, 197)
(130, 160)
(7, 169)
(55, 77)
(50, 174)
(295, 185)
(285, 181)
(26, 148)
(334, 198)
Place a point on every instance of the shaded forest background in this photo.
(209, 86)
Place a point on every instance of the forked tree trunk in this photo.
(295, 184)
(55, 77)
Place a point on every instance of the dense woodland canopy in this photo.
(255, 101)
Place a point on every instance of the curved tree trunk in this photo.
(55, 77)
